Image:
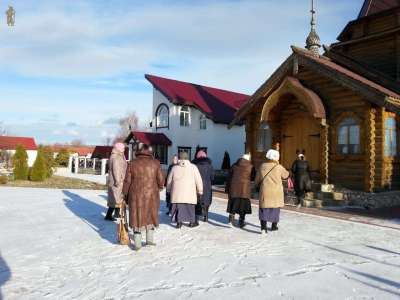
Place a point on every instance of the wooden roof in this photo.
(371, 7)
(372, 91)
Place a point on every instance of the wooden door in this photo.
(301, 133)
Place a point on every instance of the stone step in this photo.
(316, 203)
(330, 196)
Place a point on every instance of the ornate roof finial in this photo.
(313, 42)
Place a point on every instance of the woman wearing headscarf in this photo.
(168, 195)
(116, 176)
(204, 164)
(238, 188)
(269, 179)
(301, 174)
(185, 184)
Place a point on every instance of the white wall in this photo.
(217, 137)
(31, 156)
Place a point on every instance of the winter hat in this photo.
(246, 156)
(120, 147)
(201, 154)
(273, 155)
(183, 156)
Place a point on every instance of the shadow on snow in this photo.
(92, 214)
(5, 273)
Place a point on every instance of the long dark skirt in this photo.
(168, 201)
(239, 206)
(183, 212)
(269, 214)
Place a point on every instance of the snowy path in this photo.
(55, 245)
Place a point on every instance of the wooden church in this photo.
(341, 108)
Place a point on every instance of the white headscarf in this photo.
(246, 156)
(273, 155)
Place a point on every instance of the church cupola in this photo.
(313, 42)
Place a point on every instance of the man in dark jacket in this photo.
(238, 188)
(206, 170)
(143, 182)
(302, 181)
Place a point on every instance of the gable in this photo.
(217, 104)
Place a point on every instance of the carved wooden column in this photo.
(370, 150)
(325, 154)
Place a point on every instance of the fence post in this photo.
(103, 166)
(76, 164)
(84, 163)
(94, 164)
(70, 162)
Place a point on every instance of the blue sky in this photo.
(70, 68)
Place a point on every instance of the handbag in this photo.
(290, 184)
(265, 176)
(122, 227)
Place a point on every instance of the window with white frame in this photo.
(390, 137)
(184, 116)
(349, 136)
(264, 138)
(203, 122)
(162, 116)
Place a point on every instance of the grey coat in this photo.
(116, 176)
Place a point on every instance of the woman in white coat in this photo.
(185, 185)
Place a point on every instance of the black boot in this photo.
(205, 213)
(117, 213)
(231, 219)
(178, 225)
(193, 224)
(109, 216)
(274, 227)
(241, 221)
(263, 227)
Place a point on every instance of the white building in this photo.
(188, 117)
(10, 143)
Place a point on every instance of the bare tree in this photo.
(76, 142)
(108, 141)
(3, 130)
(127, 124)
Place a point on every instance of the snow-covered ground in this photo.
(101, 179)
(55, 245)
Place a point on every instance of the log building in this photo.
(340, 108)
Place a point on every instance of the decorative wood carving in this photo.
(370, 149)
(325, 154)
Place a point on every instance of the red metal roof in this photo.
(11, 142)
(219, 105)
(104, 152)
(375, 6)
(150, 138)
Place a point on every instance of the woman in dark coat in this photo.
(301, 174)
(143, 182)
(238, 188)
(167, 194)
(203, 163)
